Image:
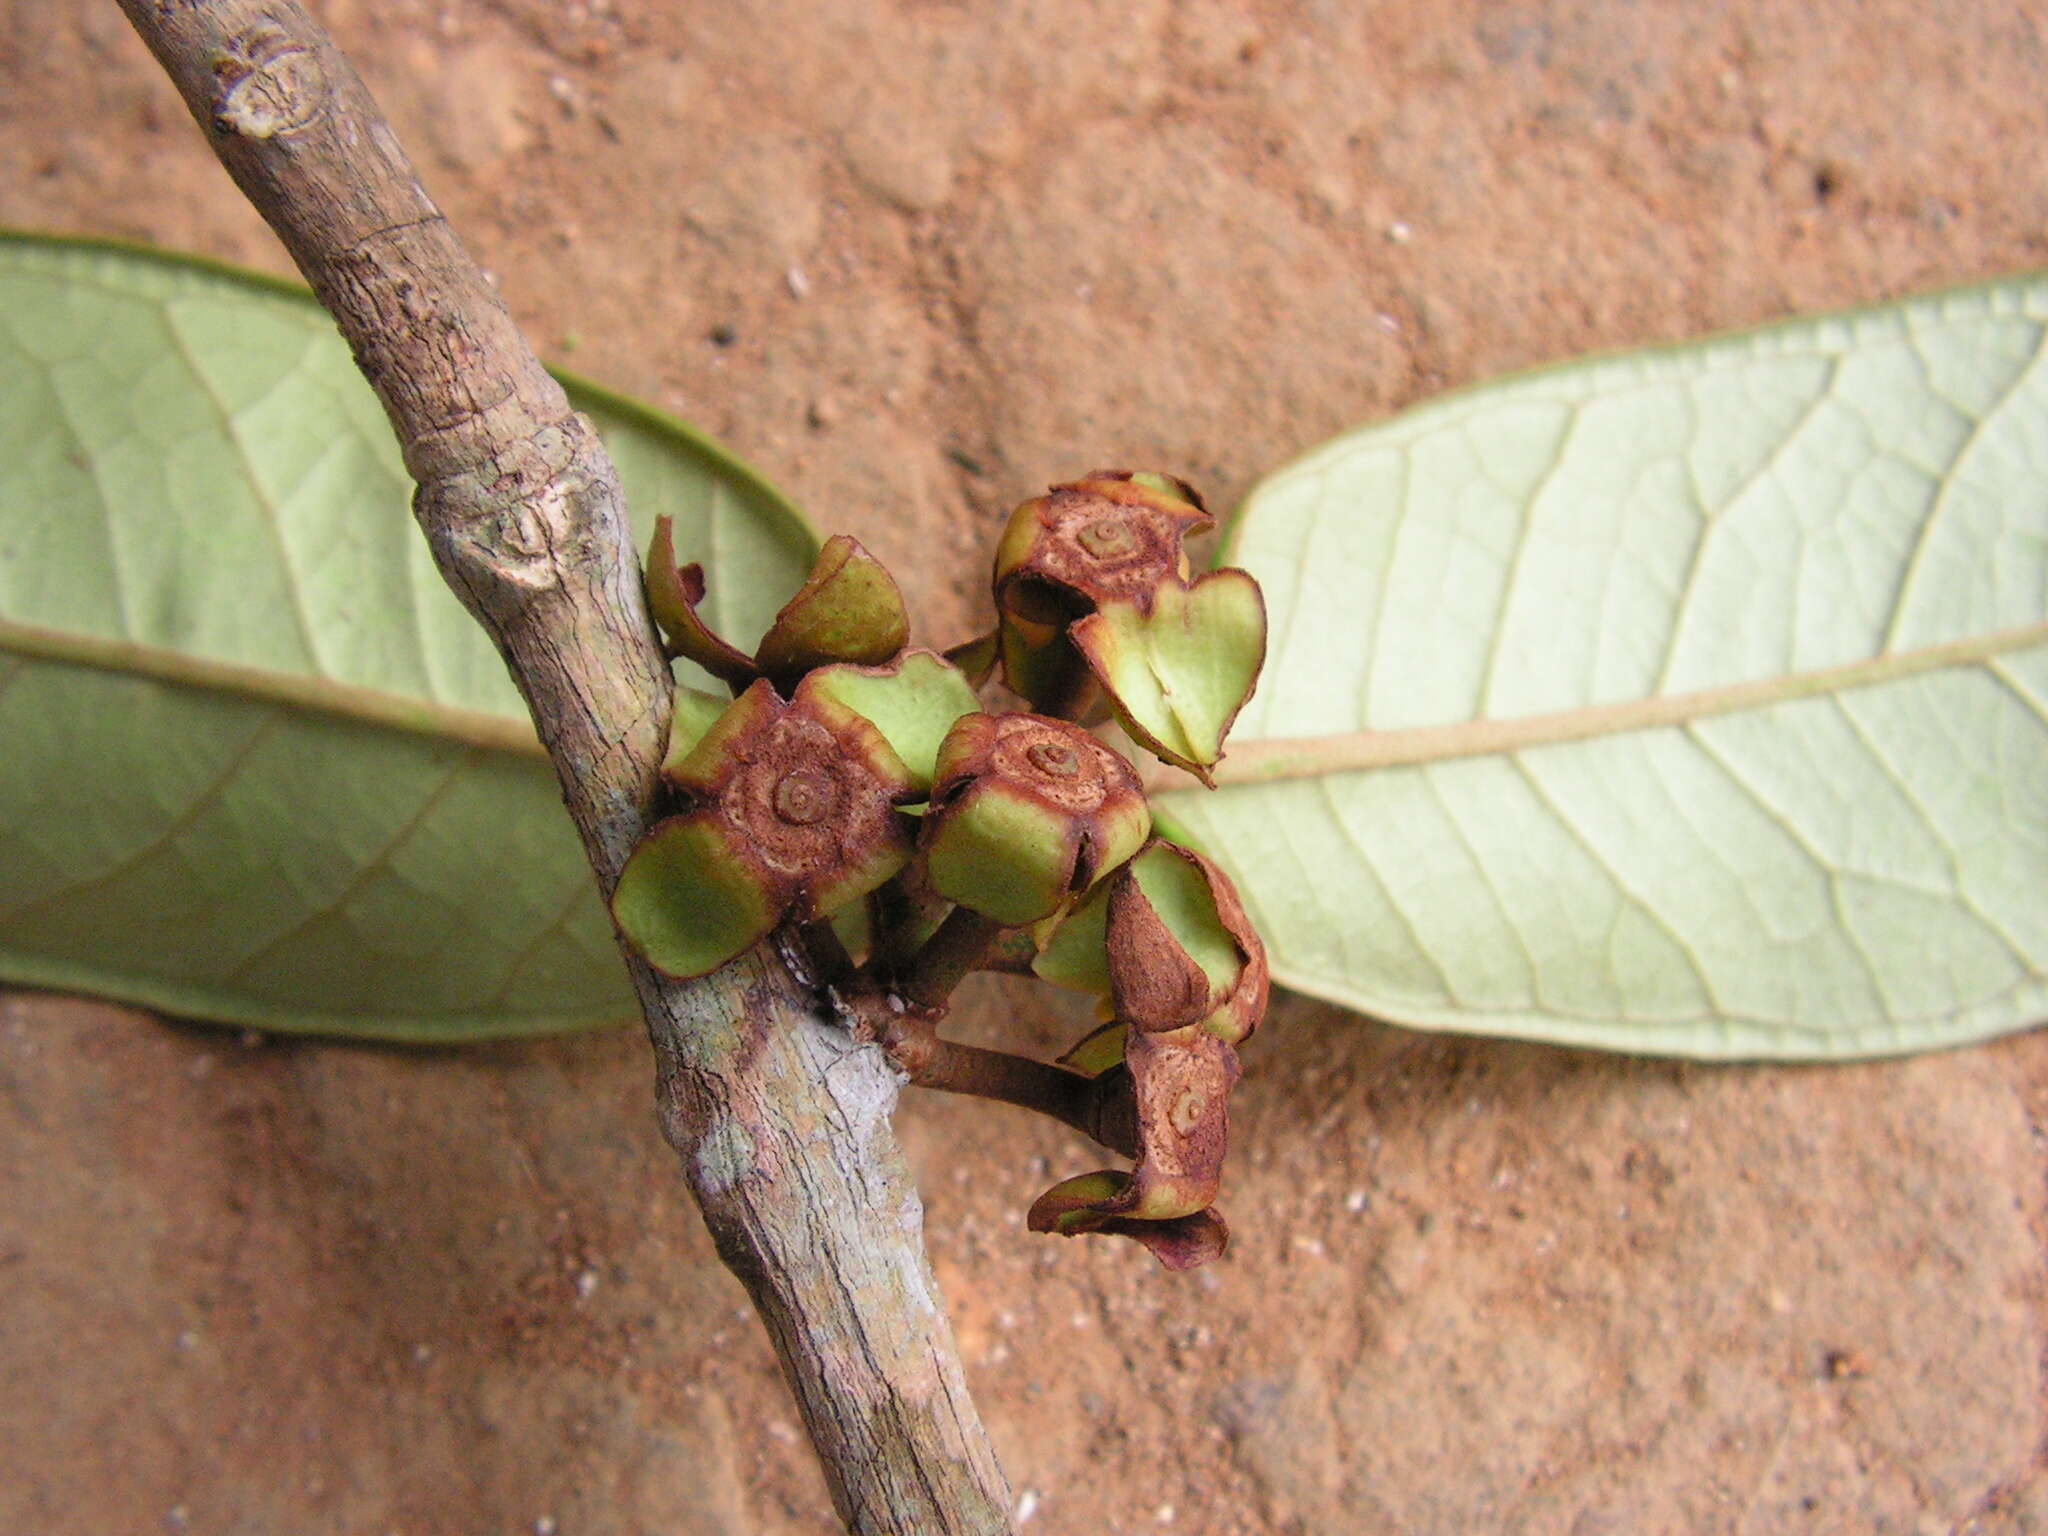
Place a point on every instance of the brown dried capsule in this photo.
(1111, 535)
(1180, 1083)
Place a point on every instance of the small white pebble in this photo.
(422, 1353)
(1163, 1514)
(1399, 232)
(1027, 1506)
(188, 1341)
(1387, 323)
(780, 1430)
(1355, 1201)
(798, 284)
(544, 1526)
(586, 1284)
(177, 1517)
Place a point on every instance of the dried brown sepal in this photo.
(1244, 1007)
(673, 594)
(1156, 984)
(1186, 1242)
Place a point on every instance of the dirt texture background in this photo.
(916, 259)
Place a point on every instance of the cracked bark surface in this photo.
(781, 1124)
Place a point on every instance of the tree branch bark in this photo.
(782, 1124)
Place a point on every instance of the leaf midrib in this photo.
(301, 691)
(1281, 758)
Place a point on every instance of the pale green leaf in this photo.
(1691, 702)
(259, 766)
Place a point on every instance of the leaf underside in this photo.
(1691, 702)
(259, 767)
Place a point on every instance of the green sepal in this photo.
(848, 610)
(686, 900)
(1042, 667)
(976, 658)
(1001, 853)
(1098, 1051)
(913, 703)
(854, 923)
(1072, 1206)
(1074, 947)
(1169, 485)
(695, 714)
(673, 594)
(1177, 673)
(702, 765)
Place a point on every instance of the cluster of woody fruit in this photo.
(858, 796)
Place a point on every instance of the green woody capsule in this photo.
(792, 816)
(1027, 813)
(1111, 536)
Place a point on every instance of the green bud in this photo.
(847, 610)
(1027, 813)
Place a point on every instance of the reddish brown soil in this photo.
(963, 250)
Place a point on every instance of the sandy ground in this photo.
(960, 250)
